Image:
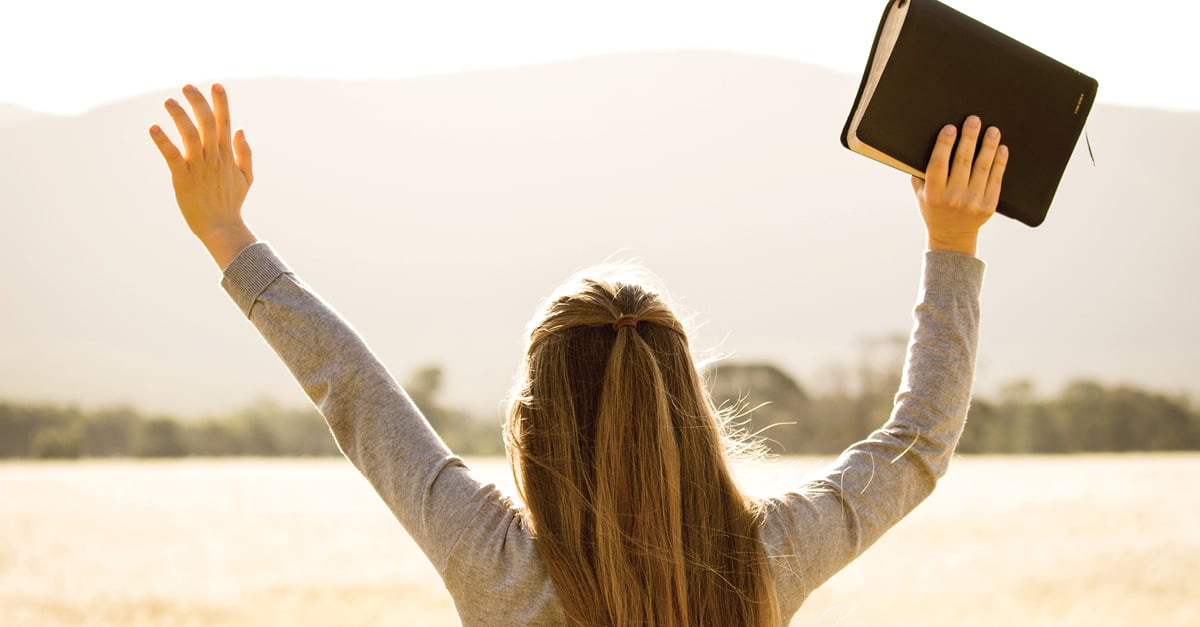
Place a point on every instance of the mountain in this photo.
(11, 114)
(435, 212)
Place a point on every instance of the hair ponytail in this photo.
(638, 500)
(621, 461)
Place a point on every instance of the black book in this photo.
(931, 65)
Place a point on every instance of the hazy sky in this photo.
(66, 56)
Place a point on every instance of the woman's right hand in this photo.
(213, 173)
(958, 198)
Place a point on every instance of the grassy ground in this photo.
(1092, 540)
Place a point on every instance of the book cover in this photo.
(931, 65)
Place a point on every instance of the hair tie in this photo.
(624, 320)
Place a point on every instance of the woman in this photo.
(630, 516)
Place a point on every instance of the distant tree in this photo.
(255, 428)
(1125, 418)
(880, 367)
(110, 432)
(17, 424)
(210, 438)
(57, 442)
(985, 432)
(424, 387)
(463, 433)
(1091, 423)
(159, 437)
(302, 431)
(40, 431)
(770, 403)
(1032, 427)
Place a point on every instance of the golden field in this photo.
(1088, 540)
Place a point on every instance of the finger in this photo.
(938, 169)
(187, 131)
(205, 121)
(221, 113)
(991, 195)
(242, 156)
(170, 153)
(983, 161)
(917, 184)
(960, 171)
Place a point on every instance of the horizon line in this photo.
(482, 69)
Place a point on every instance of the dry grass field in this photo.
(1094, 540)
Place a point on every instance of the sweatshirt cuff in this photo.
(950, 271)
(250, 273)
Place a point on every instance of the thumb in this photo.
(917, 184)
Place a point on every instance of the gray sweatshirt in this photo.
(471, 532)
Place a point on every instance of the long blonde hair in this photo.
(622, 462)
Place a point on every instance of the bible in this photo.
(931, 65)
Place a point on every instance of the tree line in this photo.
(1085, 416)
(262, 429)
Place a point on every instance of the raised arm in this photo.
(822, 526)
(375, 423)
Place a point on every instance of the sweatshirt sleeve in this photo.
(376, 425)
(814, 531)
